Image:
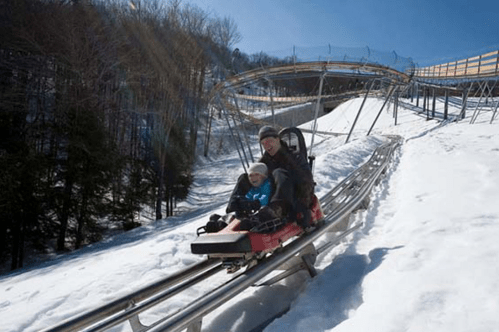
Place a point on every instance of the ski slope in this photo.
(425, 260)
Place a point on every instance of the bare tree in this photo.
(224, 32)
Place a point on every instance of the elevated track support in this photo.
(474, 79)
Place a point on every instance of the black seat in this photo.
(295, 141)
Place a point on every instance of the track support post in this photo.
(195, 326)
(446, 107)
(462, 115)
(433, 106)
(360, 110)
(136, 325)
(392, 89)
(309, 260)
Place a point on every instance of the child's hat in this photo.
(259, 168)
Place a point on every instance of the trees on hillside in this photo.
(100, 109)
(101, 103)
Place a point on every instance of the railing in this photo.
(329, 53)
(485, 65)
(276, 99)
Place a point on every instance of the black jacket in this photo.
(298, 169)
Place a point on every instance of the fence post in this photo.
(417, 95)
(434, 103)
(465, 100)
(446, 107)
(424, 99)
(427, 103)
(396, 106)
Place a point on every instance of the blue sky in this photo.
(429, 31)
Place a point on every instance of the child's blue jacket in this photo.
(261, 193)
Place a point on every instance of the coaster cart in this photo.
(238, 248)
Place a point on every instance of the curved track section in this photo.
(317, 68)
(348, 196)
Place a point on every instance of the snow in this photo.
(426, 258)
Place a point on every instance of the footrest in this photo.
(217, 243)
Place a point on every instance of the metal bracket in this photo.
(195, 326)
(134, 320)
(304, 261)
(136, 325)
(282, 275)
(309, 260)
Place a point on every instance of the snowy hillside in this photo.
(425, 260)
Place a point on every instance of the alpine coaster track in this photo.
(347, 197)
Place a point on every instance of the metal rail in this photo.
(350, 196)
(344, 199)
(97, 315)
(349, 187)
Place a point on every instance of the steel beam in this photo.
(358, 113)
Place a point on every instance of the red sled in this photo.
(231, 242)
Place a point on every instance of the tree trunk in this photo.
(3, 235)
(68, 189)
(17, 245)
(81, 221)
(159, 197)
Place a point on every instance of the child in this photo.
(259, 193)
(261, 189)
(258, 196)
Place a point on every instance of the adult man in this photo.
(293, 181)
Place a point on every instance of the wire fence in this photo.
(347, 54)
